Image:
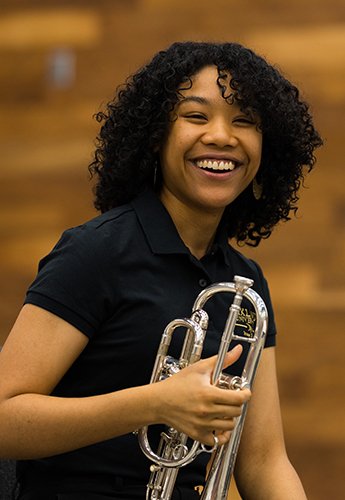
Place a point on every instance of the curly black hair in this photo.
(136, 120)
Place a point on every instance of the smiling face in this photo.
(212, 150)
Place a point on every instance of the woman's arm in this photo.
(263, 470)
(40, 349)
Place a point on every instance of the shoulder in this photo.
(242, 263)
(249, 268)
(106, 229)
(94, 243)
(102, 224)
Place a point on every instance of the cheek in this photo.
(255, 148)
(172, 153)
(168, 162)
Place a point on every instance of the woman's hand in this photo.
(188, 402)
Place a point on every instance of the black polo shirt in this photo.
(120, 278)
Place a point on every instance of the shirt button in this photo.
(202, 282)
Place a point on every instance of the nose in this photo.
(220, 132)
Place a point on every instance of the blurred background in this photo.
(60, 63)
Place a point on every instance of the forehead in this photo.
(209, 82)
(213, 86)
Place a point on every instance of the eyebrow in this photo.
(194, 98)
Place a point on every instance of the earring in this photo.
(155, 176)
(257, 189)
(155, 173)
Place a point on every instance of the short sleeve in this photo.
(72, 282)
(263, 290)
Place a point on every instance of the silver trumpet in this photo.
(173, 451)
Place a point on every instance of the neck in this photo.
(197, 228)
(197, 237)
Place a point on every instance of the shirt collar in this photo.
(221, 242)
(158, 227)
(160, 231)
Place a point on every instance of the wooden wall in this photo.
(46, 140)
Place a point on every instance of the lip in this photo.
(217, 157)
(216, 175)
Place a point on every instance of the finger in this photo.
(230, 399)
(208, 438)
(223, 437)
(223, 424)
(225, 414)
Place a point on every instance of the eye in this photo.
(195, 116)
(245, 120)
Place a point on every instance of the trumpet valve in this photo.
(170, 366)
(232, 382)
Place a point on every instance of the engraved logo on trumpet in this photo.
(246, 320)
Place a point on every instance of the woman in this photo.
(205, 143)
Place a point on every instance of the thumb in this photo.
(233, 355)
(208, 364)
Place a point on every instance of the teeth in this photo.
(216, 165)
